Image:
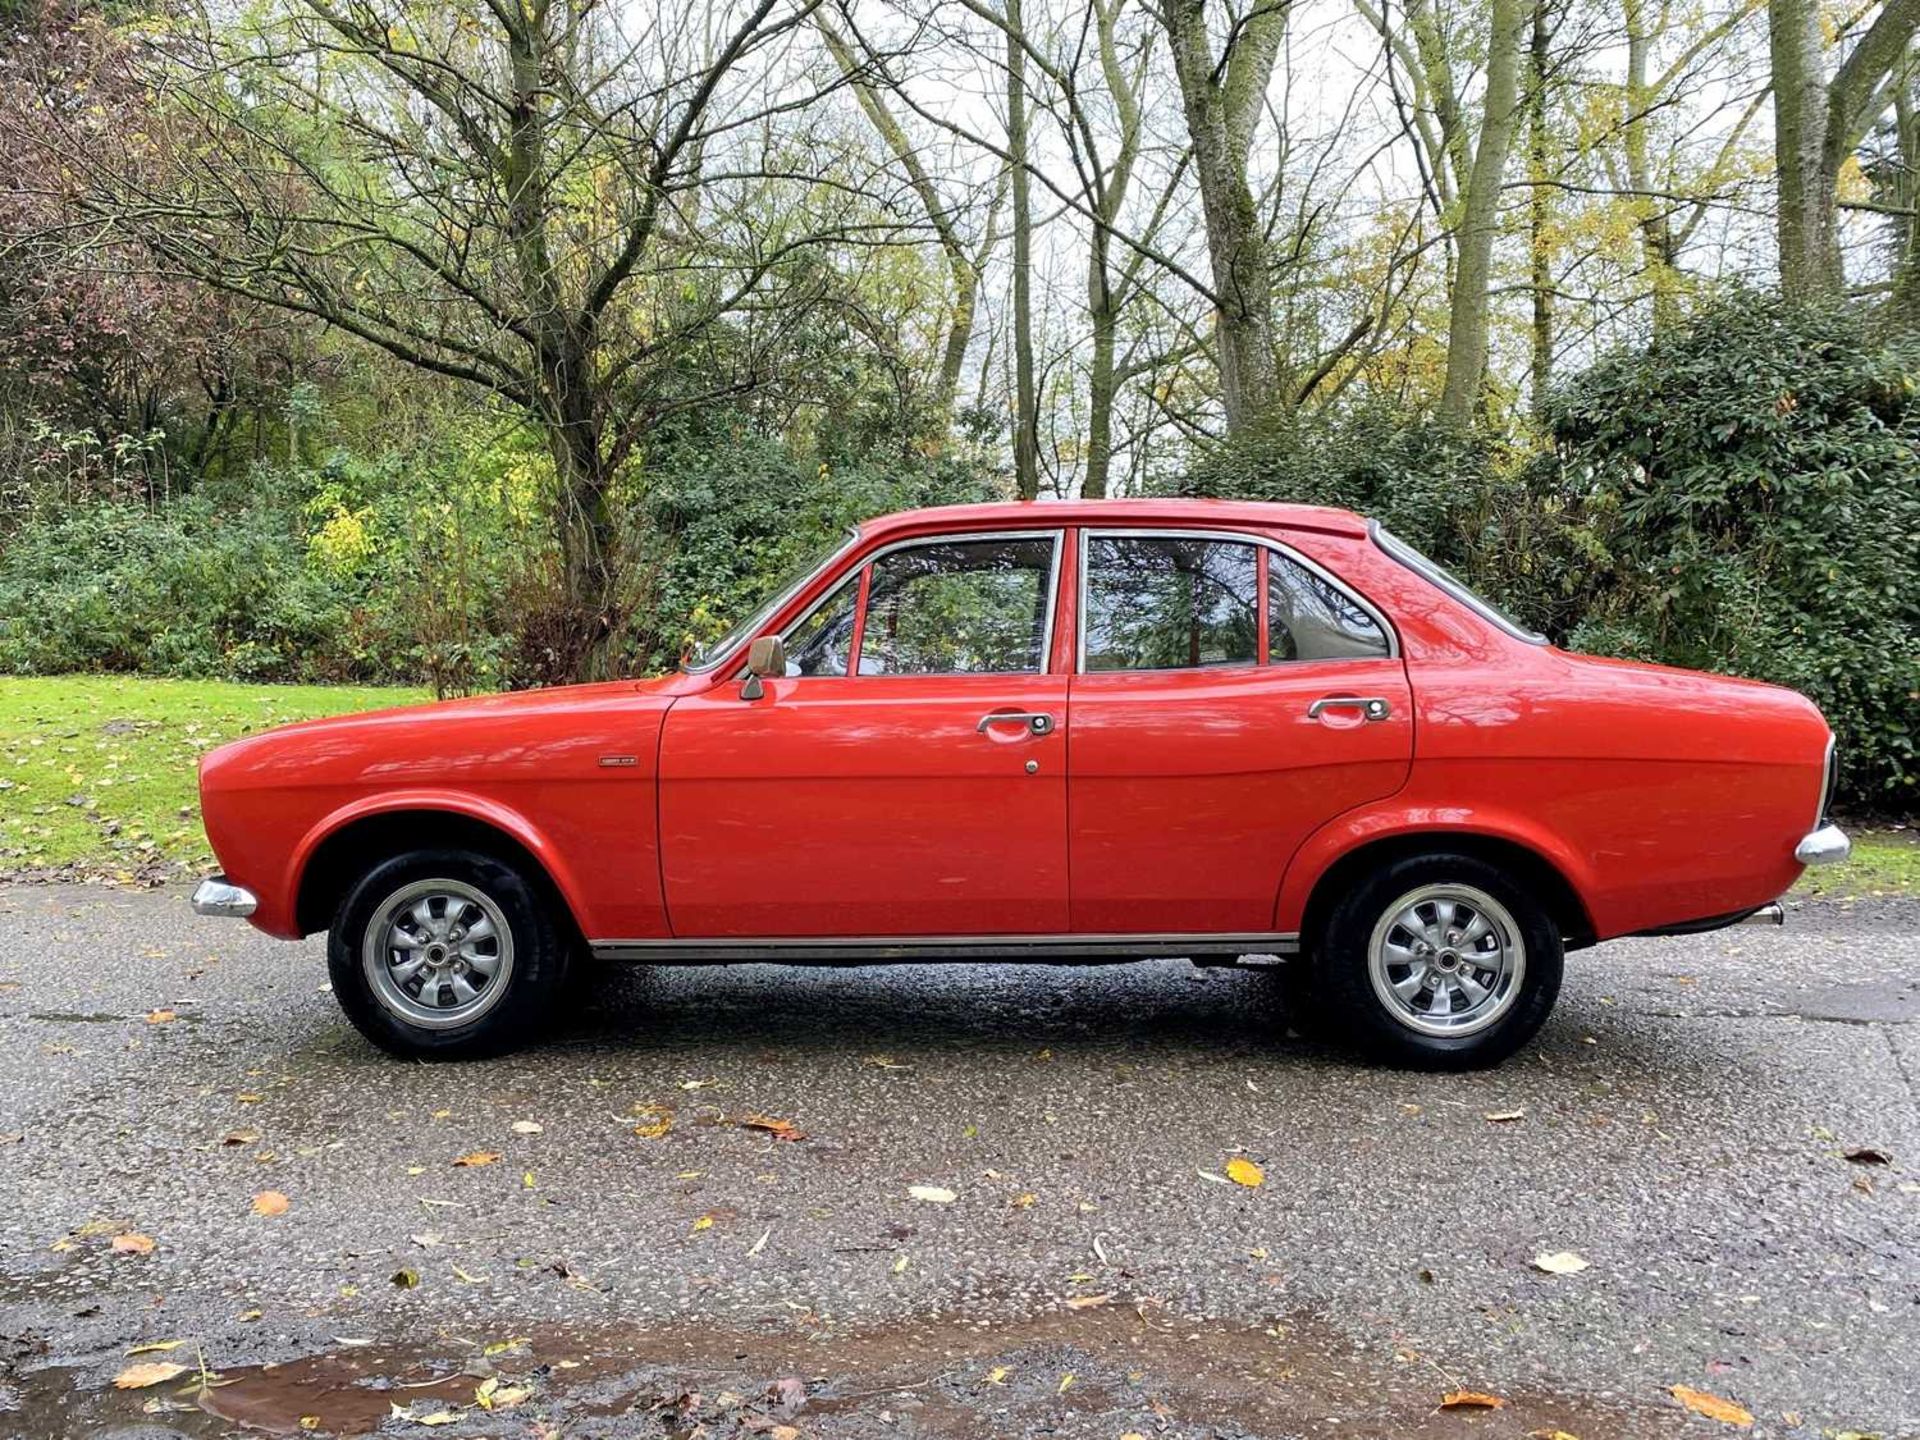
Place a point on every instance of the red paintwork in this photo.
(1177, 801)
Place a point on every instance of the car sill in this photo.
(881, 950)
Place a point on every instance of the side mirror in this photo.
(765, 656)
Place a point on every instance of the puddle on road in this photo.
(1095, 1372)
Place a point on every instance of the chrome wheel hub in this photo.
(438, 954)
(1447, 960)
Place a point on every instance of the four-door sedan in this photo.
(1029, 731)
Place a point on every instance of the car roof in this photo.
(1172, 511)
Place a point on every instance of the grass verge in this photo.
(1884, 862)
(99, 773)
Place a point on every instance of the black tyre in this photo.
(446, 955)
(1438, 962)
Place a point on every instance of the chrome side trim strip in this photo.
(882, 949)
(217, 895)
(1826, 846)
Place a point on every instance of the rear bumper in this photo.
(1826, 846)
(216, 895)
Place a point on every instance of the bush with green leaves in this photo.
(1751, 484)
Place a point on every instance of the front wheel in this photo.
(1440, 962)
(445, 954)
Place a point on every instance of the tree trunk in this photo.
(1468, 318)
(1654, 218)
(1809, 251)
(1903, 306)
(1101, 381)
(1221, 111)
(1026, 436)
(1540, 211)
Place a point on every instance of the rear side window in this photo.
(1309, 618)
(1165, 603)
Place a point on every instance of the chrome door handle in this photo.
(1375, 707)
(1039, 722)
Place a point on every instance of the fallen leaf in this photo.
(469, 1279)
(1216, 1179)
(474, 1159)
(759, 1244)
(1502, 1117)
(405, 1279)
(133, 1243)
(153, 1347)
(161, 1017)
(1025, 1200)
(1867, 1155)
(1470, 1400)
(1560, 1262)
(998, 1375)
(900, 1265)
(270, 1202)
(528, 1127)
(240, 1137)
(152, 1372)
(1065, 1381)
(933, 1194)
(432, 1417)
(653, 1124)
(705, 1222)
(779, 1129)
(1087, 1302)
(1711, 1406)
(1243, 1171)
(1551, 1435)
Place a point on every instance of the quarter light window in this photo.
(822, 643)
(963, 607)
(1162, 603)
(1310, 619)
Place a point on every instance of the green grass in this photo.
(98, 774)
(1884, 862)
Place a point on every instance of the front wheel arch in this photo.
(344, 856)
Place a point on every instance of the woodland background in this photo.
(490, 343)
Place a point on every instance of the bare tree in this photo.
(1818, 122)
(595, 226)
(1222, 96)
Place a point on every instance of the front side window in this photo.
(1310, 618)
(1164, 603)
(960, 607)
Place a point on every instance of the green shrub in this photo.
(1751, 486)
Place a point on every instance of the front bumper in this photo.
(1826, 846)
(216, 895)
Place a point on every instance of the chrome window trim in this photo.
(1239, 537)
(1401, 553)
(1054, 537)
(881, 949)
(770, 608)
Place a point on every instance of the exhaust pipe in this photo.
(1768, 914)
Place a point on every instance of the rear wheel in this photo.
(446, 954)
(1439, 961)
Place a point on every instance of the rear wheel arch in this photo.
(1528, 867)
(350, 851)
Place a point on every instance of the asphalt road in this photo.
(1683, 1126)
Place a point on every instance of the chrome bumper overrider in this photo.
(1826, 846)
(217, 895)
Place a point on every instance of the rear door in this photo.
(1230, 698)
(906, 778)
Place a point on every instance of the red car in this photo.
(1034, 731)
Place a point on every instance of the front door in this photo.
(906, 778)
(1230, 700)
